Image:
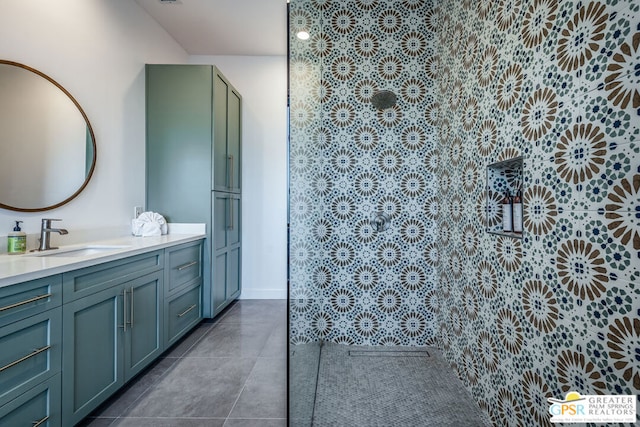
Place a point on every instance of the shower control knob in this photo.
(380, 222)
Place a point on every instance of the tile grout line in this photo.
(227, 313)
(214, 324)
(160, 377)
(241, 390)
(140, 395)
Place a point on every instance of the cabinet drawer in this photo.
(22, 300)
(87, 281)
(185, 265)
(183, 312)
(30, 353)
(38, 407)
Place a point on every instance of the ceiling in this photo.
(223, 27)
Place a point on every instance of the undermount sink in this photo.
(80, 251)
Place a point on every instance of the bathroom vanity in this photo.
(78, 323)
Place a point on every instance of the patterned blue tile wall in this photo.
(558, 83)
(478, 82)
(349, 283)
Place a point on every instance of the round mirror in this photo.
(47, 144)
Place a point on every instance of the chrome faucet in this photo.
(45, 236)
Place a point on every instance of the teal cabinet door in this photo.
(227, 104)
(92, 354)
(226, 280)
(234, 250)
(221, 223)
(233, 275)
(233, 227)
(220, 159)
(109, 337)
(143, 338)
(234, 127)
(221, 220)
(219, 282)
(179, 135)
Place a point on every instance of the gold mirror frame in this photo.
(89, 174)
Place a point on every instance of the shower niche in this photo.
(503, 206)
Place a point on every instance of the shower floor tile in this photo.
(410, 388)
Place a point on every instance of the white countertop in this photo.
(30, 266)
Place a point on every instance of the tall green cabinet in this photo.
(194, 168)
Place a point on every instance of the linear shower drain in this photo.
(389, 353)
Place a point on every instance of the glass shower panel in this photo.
(307, 274)
(362, 187)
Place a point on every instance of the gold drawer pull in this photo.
(187, 310)
(42, 421)
(28, 356)
(18, 304)
(187, 265)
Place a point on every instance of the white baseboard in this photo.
(263, 294)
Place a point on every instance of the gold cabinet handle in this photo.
(42, 421)
(28, 356)
(187, 265)
(30, 300)
(187, 310)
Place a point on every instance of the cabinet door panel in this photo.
(92, 353)
(219, 281)
(179, 141)
(143, 340)
(25, 299)
(220, 220)
(233, 140)
(182, 313)
(220, 159)
(31, 352)
(233, 228)
(90, 280)
(38, 406)
(184, 265)
(233, 273)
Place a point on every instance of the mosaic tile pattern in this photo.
(478, 82)
(349, 283)
(558, 83)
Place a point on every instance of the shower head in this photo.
(384, 99)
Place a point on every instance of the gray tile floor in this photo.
(229, 373)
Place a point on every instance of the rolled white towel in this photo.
(149, 224)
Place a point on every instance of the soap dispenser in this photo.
(17, 240)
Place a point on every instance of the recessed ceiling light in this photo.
(302, 35)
